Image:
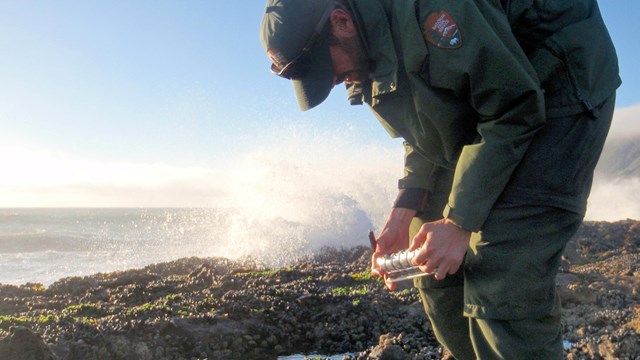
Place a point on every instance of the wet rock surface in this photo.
(217, 308)
(599, 286)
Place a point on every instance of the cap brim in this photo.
(314, 87)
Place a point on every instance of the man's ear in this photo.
(342, 23)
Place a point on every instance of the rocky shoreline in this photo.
(216, 308)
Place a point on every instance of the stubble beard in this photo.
(361, 68)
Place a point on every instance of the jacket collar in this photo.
(373, 27)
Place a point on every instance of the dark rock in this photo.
(23, 344)
(387, 350)
(577, 295)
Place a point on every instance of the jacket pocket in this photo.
(577, 66)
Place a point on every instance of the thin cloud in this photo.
(626, 123)
(36, 177)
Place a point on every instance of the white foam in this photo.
(300, 194)
(614, 199)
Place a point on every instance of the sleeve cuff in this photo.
(469, 224)
(414, 199)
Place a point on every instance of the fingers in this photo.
(442, 248)
(439, 270)
(426, 260)
(431, 266)
(420, 237)
(390, 285)
(440, 273)
(378, 272)
(375, 269)
(416, 242)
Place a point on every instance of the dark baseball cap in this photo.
(294, 35)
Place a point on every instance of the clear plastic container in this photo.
(399, 267)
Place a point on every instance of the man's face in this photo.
(350, 62)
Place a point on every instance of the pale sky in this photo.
(151, 103)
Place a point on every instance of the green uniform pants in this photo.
(502, 304)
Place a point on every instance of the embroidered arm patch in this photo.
(442, 31)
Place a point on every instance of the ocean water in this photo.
(43, 245)
(275, 205)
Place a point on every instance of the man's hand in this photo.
(393, 238)
(445, 245)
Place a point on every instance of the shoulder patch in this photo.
(442, 31)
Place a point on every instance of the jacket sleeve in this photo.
(418, 171)
(491, 71)
(425, 186)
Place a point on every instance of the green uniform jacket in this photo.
(468, 84)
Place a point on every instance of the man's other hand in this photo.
(444, 245)
(394, 237)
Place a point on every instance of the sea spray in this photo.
(282, 199)
(614, 199)
(297, 195)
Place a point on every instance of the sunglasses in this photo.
(301, 63)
